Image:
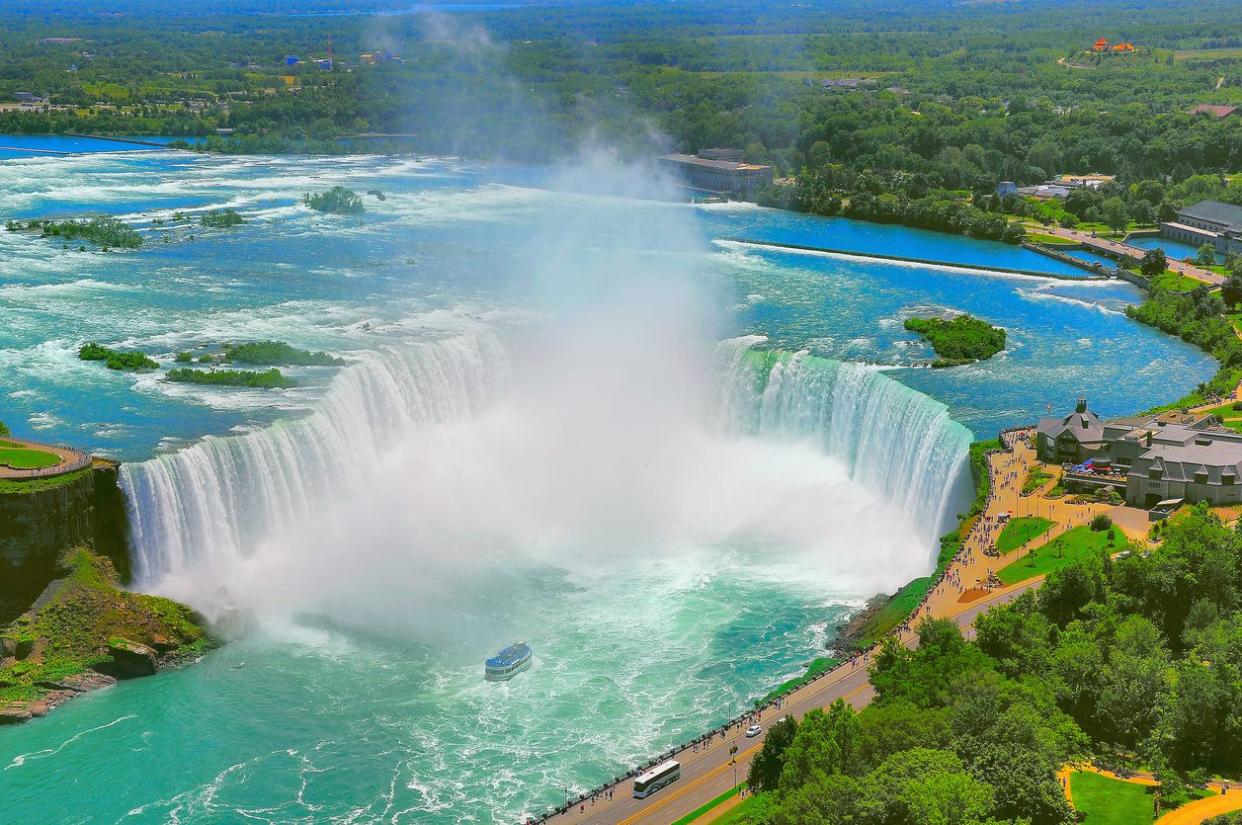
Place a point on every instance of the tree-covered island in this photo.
(962, 339)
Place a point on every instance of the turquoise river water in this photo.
(573, 414)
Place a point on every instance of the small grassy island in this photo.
(103, 231)
(336, 201)
(278, 353)
(116, 359)
(268, 379)
(84, 632)
(222, 219)
(960, 340)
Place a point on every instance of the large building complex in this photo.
(719, 171)
(1150, 458)
(1208, 222)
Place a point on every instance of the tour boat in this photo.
(507, 663)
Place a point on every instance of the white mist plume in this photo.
(600, 457)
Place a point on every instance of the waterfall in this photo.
(217, 496)
(894, 440)
(215, 499)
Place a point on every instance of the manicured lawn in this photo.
(750, 809)
(1106, 801)
(707, 806)
(1034, 480)
(1051, 240)
(1081, 542)
(1231, 417)
(815, 668)
(24, 458)
(1021, 530)
(1171, 280)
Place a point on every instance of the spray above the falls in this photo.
(605, 429)
(894, 440)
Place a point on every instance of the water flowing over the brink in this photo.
(895, 441)
(216, 497)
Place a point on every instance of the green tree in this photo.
(1115, 213)
(824, 743)
(1231, 289)
(765, 769)
(1206, 255)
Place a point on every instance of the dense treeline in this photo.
(1198, 318)
(1135, 660)
(978, 89)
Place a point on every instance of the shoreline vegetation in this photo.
(221, 219)
(272, 354)
(1198, 318)
(335, 201)
(960, 340)
(267, 379)
(85, 632)
(104, 231)
(1099, 664)
(129, 360)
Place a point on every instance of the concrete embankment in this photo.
(850, 253)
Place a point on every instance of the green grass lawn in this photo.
(1021, 530)
(751, 810)
(1062, 551)
(1051, 240)
(24, 458)
(1105, 801)
(815, 668)
(1232, 418)
(1175, 282)
(707, 806)
(1034, 480)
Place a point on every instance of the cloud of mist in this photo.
(601, 458)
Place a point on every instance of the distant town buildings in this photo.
(719, 171)
(1213, 109)
(1149, 459)
(1060, 187)
(1207, 222)
(1102, 46)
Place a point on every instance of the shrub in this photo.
(104, 231)
(1101, 522)
(270, 353)
(269, 379)
(184, 358)
(222, 219)
(337, 201)
(115, 359)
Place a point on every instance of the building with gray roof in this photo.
(1208, 222)
(1150, 458)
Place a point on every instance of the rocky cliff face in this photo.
(39, 521)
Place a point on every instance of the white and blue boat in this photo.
(507, 663)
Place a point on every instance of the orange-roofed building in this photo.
(1123, 47)
(1100, 45)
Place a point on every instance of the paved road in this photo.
(708, 773)
(1102, 244)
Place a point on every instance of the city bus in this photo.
(663, 774)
